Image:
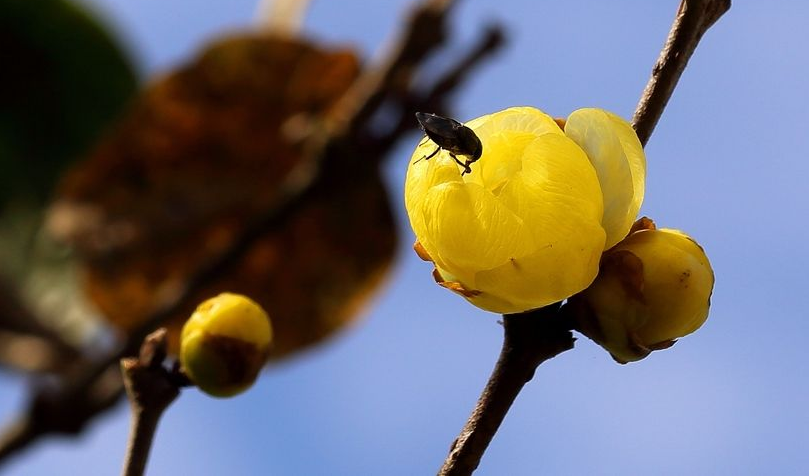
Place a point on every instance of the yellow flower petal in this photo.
(475, 230)
(617, 155)
(420, 178)
(555, 188)
(514, 119)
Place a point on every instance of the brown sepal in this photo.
(642, 223)
(662, 345)
(421, 252)
(454, 286)
(628, 269)
(460, 289)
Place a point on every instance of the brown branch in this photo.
(693, 19)
(53, 411)
(151, 388)
(141, 433)
(434, 100)
(26, 342)
(490, 41)
(529, 339)
(425, 31)
(93, 388)
(16, 436)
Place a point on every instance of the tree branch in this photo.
(151, 388)
(694, 18)
(16, 436)
(425, 31)
(529, 339)
(435, 98)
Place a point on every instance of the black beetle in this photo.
(452, 136)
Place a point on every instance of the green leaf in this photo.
(64, 80)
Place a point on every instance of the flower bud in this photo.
(527, 226)
(224, 344)
(653, 288)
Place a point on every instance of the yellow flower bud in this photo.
(653, 288)
(525, 227)
(225, 344)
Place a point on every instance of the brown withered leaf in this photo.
(199, 155)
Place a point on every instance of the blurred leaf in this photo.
(201, 153)
(25, 343)
(63, 80)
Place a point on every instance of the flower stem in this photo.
(144, 424)
(151, 389)
(529, 339)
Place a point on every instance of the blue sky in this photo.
(727, 163)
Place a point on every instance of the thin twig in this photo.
(529, 339)
(151, 390)
(490, 41)
(16, 436)
(141, 433)
(425, 31)
(435, 99)
(694, 18)
(51, 410)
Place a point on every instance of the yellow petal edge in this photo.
(618, 157)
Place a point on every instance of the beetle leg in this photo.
(465, 165)
(466, 168)
(428, 157)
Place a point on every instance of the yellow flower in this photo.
(224, 344)
(653, 288)
(527, 226)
